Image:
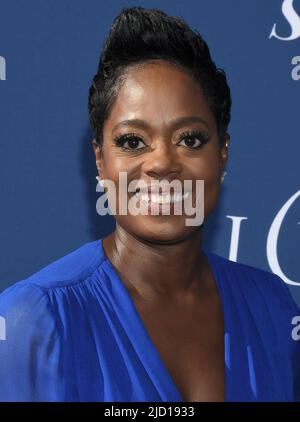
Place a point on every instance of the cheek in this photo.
(205, 167)
(208, 169)
(116, 163)
(211, 190)
(120, 170)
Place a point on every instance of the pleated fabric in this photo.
(71, 332)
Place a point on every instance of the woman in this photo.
(147, 314)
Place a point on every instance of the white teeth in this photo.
(162, 199)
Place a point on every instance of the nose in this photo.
(162, 162)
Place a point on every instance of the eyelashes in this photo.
(132, 140)
(135, 142)
(194, 135)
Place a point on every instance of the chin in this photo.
(163, 230)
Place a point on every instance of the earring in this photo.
(223, 176)
(227, 142)
(99, 180)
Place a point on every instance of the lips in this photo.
(162, 189)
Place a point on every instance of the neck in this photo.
(164, 270)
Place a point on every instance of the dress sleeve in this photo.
(292, 310)
(295, 346)
(296, 365)
(30, 346)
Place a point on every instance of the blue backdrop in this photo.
(49, 52)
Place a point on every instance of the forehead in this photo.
(158, 91)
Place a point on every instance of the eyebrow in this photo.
(175, 124)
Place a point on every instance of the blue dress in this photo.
(71, 332)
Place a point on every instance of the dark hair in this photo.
(138, 35)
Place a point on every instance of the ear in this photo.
(98, 156)
(224, 152)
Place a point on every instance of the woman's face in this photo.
(158, 94)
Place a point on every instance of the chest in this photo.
(190, 341)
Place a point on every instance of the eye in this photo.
(129, 142)
(193, 139)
